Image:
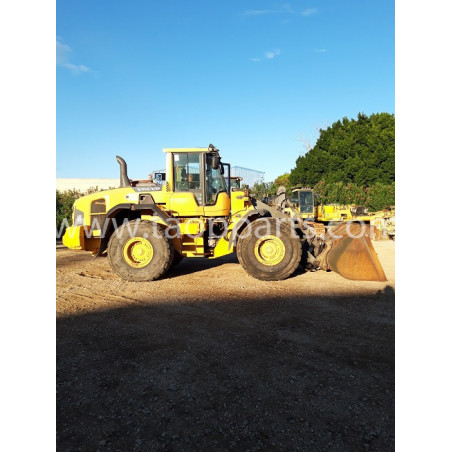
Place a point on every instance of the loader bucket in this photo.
(352, 255)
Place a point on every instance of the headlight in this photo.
(79, 218)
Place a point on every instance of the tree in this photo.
(360, 151)
(283, 180)
(64, 203)
(261, 189)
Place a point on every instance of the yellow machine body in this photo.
(206, 218)
(171, 198)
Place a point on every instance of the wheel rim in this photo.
(269, 250)
(138, 252)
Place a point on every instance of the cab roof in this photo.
(171, 150)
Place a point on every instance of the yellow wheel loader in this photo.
(382, 223)
(303, 201)
(145, 228)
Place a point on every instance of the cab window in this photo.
(294, 199)
(187, 174)
(215, 182)
(306, 202)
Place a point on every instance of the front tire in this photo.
(139, 251)
(177, 259)
(268, 249)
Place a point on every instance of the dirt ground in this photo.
(209, 358)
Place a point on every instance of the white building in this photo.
(82, 184)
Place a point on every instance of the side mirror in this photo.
(216, 162)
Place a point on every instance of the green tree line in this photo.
(360, 151)
(352, 162)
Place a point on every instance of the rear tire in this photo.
(139, 251)
(269, 256)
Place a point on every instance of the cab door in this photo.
(198, 189)
(187, 199)
(217, 201)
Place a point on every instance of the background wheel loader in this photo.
(146, 228)
(382, 223)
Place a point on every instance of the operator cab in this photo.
(303, 199)
(197, 181)
(235, 183)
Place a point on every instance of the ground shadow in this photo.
(303, 373)
(185, 267)
(195, 264)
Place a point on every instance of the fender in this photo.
(114, 211)
(246, 219)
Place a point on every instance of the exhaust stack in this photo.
(123, 179)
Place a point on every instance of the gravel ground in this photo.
(210, 358)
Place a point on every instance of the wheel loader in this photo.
(146, 228)
(303, 201)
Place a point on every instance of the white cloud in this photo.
(63, 52)
(267, 55)
(309, 12)
(271, 55)
(320, 50)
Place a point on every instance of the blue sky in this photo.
(255, 78)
